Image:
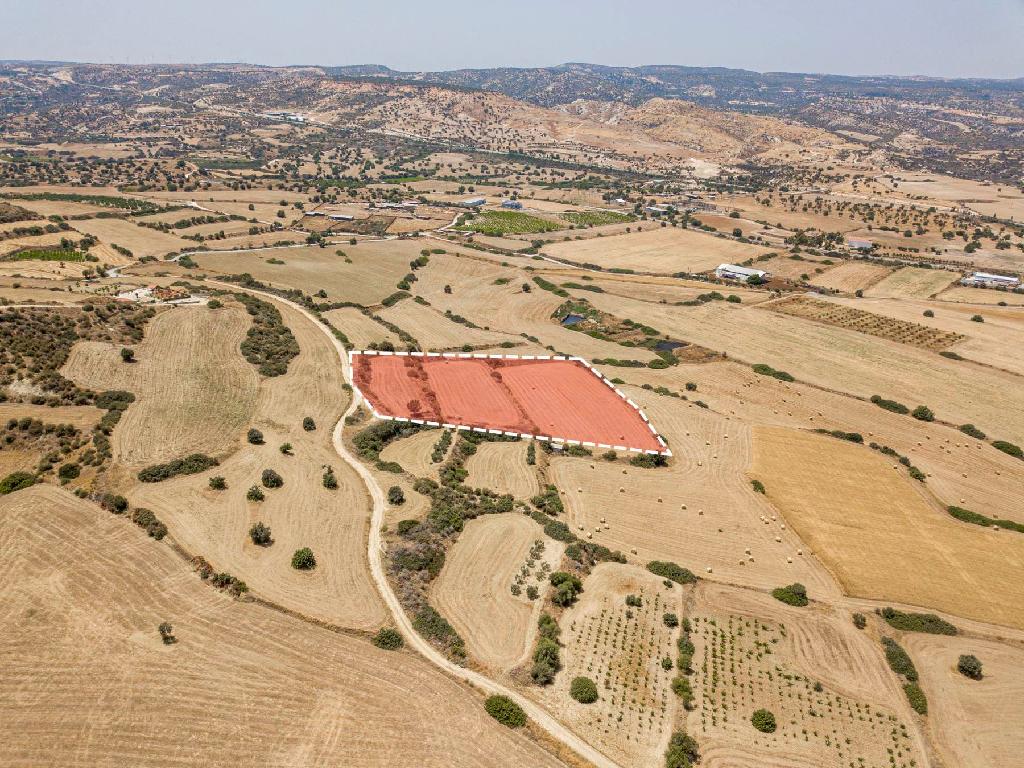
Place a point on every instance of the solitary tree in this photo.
(303, 559)
(969, 666)
(127, 355)
(260, 535)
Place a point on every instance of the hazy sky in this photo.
(952, 38)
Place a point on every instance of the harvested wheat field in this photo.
(415, 453)
(473, 590)
(665, 250)
(436, 332)
(502, 467)
(968, 295)
(194, 391)
(700, 511)
(880, 536)
(633, 717)
(141, 241)
(851, 276)
(361, 330)
(301, 513)
(81, 416)
(912, 283)
(243, 685)
(833, 698)
(973, 722)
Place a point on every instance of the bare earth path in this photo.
(376, 547)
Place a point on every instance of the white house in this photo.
(734, 272)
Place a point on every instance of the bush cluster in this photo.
(669, 570)
(793, 594)
(505, 711)
(917, 622)
(190, 465)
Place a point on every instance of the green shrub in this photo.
(968, 516)
(764, 721)
(567, 587)
(505, 711)
(859, 620)
(303, 559)
(388, 639)
(671, 620)
(1010, 448)
(271, 479)
(969, 666)
(758, 486)
(917, 622)
(584, 690)
(669, 570)
(683, 751)
(973, 431)
(16, 481)
(977, 319)
(767, 370)
(899, 660)
(329, 479)
(918, 701)
(255, 437)
(923, 413)
(395, 496)
(254, 494)
(681, 688)
(889, 405)
(260, 535)
(69, 471)
(308, 424)
(218, 483)
(190, 465)
(648, 460)
(794, 594)
(546, 661)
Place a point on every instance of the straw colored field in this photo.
(360, 329)
(194, 390)
(699, 511)
(965, 294)
(784, 218)
(141, 241)
(376, 268)
(436, 332)
(851, 276)
(833, 698)
(83, 593)
(878, 534)
(414, 453)
(503, 306)
(974, 722)
(858, 319)
(81, 416)
(912, 283)
(960, 470)
(634, 713)
(502, 467)
(9, 246)
(665, 250)
(790, 268)
(843, 360)
(302, 513)
(473, 589)
(559, 399)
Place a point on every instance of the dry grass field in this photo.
(413, 453)
(502, 467)
(435, 332)
(83, 593)
(851, 276)
(974, 722)
(912, 283)
(473, 589)
(141, 241)
(662, 250)
(81, 416)
(880, 536)
(194, 390)
(753, 652)
(632, 719)
(968, 295)
(360, 329)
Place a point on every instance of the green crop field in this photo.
(507, 223)
(45, 254)
(597, 218)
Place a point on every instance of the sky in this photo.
(943, 38)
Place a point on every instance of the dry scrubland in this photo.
(195, 392)
(665, 250)
(754, 653)
(879, 534)
(634, 714)
(965, 294)
(83, 594)
(643, 509)
(473, 589)
(215, 524)
(845, 360)
(502, 467)
(912, 283)
(976, 723)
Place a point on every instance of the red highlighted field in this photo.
(561, 399)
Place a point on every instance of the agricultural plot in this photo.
(967, 295)
(787, 267)
(620, 648)
(194, 390)
(499, 223)
(855, 319)
(912, 283)
(842, 713)
(141, 241)
(555, 399)
(851, 276)
(360, 330)
(879, 535)
(83, 593)
(502, 467)
(436, 332)
(972, 721)
(414, 453)
(662, 250)
(596, 218)
(81, 416)
(474, 589)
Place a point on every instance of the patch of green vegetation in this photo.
(498, 223)
(16, 481)
(269, 343)
(106, 201)
(669, 570)
(596, 218)
(764, 721)
(767, 370)
(793, 594)
(388, 639)
(549, 286)
(505, 711)
(45, 254)
(967, 516)
(189, 465)
(584, 690)
(918, 701)
(1008, 448)
(917, 622)
(889, 405)
(683, 751)
(899, 660)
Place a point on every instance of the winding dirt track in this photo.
(375, 549)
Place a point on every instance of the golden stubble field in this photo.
(83, 593)
(502, 467)
(880, 535)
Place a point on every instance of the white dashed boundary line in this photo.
(545, 438)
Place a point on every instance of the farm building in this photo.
(733, 272)
(473, 202)
(515, 205)
(856, 244)
(340, 217)
(991, 281)
(658, 210)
